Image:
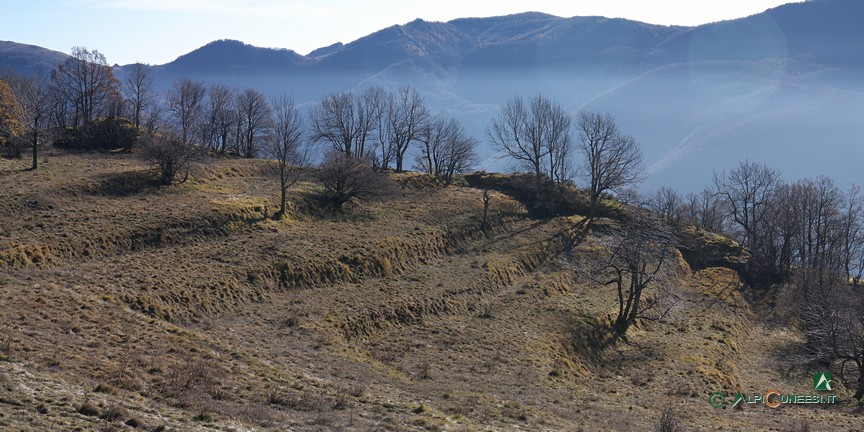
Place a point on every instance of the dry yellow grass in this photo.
(129, 306)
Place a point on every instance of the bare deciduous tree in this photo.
(346, 121)
(612, 160)
(705, 210)
(669, 420)
(405, 119)
(33, 93)
(537, 137)
(287, 145)
(668, 204)
(379, 102)
(748, 192)
(529, 134)
(85, 84)
(220, 117)
(749, 195)
(138, 89)
(636, 260)
(185, 101)
(816, 206)
(255, 122)
(446, 149)
(852, 234)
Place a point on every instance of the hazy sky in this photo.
(157, 31)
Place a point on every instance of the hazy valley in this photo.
(522, 222)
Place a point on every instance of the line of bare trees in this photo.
(538, 136)
(82, 104)
(808, 229)
(806, 239)
(66, 104)
(357, 135)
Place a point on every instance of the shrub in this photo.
(669, 420)
(115, 413)
(14, 147)
(169, 155)
(89, 409)
(110, 133)
(345, 178)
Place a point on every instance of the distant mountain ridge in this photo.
(698, 98)
(28, 58)
(212, 57)
(463, 43)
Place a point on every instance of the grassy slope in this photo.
(187, 307)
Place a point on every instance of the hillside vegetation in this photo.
(132, 306)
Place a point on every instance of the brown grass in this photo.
(190, 308)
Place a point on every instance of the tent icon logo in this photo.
(822, 381)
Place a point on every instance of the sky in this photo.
(158, 31)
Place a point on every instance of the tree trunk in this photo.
(485, 225)
(35, 151)
(282, 202)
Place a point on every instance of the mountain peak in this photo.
(237, 55)
(29, 58)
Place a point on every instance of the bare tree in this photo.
(255, 121)
(138, 89)
(379, 103)
(345, 178)
(33, 93)
(346, 122)
(816, 205)
(668, 204)
(636, 260)
(220, 117)
(369, 111)
(537, 137)
(781, 227)
(852, 234)
(85, 84)
(185, 101)
(287, 145)
(530, 134)
(748, 192)
(446, 149)
(612, 160)
(155, 118)
(333, 120)
(705, 210)
(405, 119)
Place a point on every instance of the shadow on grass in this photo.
(590, 337)
(126, 184)
(313, 206)
(593, 341)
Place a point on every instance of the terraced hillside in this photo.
(125, 306)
